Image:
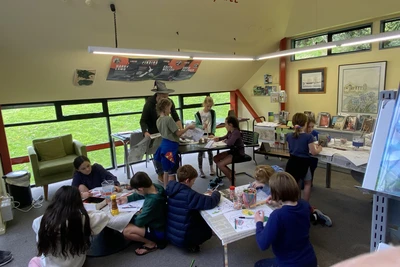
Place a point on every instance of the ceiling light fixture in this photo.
(385, 36)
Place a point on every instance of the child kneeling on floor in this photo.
(262, 175)
(148, 226)
(185, 226)
(288, 228)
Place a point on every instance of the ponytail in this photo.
(300, 121)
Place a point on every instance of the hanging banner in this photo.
(133, 69)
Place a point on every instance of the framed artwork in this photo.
(312, 81)
(274, 97)
(323, 119)
(350, 124)
(368, 125)
(339, 122)
(271, 88)
(259, 91)
(359, 86)
(361, 121)
(84, 77)
(267, 78)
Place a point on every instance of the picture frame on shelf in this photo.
(339, 123)
(312, 81)
(361, 121)
(323, 120)
(351, 123)
(333, 121)
(359, 86)
(368, 125)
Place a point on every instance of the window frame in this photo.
(382, 29)
(329, 35)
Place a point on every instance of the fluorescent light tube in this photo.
(136, 52)
(372, 38)
(225, 58)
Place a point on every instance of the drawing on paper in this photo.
(359, 87)
(224, 206)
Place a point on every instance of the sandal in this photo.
(146, 250)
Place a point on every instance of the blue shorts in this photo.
(154, 235)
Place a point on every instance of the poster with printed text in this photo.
(134, 69)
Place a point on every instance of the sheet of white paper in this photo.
(267, 124)
(120, 221)
(358, 158)
(209, 144)
(224, 206)
(194, 134)
(247, 222)
(328, 151)
(134, 206)
(220, 143)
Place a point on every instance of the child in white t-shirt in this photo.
(206, 120)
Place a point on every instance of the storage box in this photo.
(94, 203)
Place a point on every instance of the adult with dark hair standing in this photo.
(63, 232)
(88, 176)
(149, 117)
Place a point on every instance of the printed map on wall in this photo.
(133, 69)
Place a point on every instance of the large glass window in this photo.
(389, 26)
(330, 37)
(91, 122)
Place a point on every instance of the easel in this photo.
(382, 202)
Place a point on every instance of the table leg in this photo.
(127, 166)
(226, 255)
(114, 153)
(328, 175)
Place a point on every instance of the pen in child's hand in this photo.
(215, 188)
(242, 217)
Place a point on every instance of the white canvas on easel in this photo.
(381, 131)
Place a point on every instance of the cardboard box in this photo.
(94, 203)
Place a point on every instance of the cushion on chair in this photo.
(245, 158)
(50, 149)
(68, 144)
(55, 166)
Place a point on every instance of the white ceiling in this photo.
(204, 25)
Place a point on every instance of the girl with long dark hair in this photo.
(63, 232)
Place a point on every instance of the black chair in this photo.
(250, 139)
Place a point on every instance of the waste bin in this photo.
(18, 186)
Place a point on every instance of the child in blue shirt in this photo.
(288, 228)
(301, 144)
(262, 175)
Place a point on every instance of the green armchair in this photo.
(52, 159)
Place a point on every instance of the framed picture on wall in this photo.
(312, 81)
(359, 86)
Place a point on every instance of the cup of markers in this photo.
(250, 198)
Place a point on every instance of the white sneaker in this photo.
(202, 175)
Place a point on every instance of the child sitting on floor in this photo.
(148, 226)
(185, 226)
(88, 176)
(262, 175)
(167, 153)
(288, 228)
(63, 233)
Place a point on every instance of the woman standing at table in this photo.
(88, 176)
(206, 120)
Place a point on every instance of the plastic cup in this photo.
(250, 198)
(108, 188)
